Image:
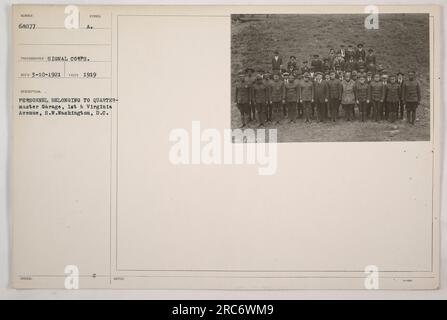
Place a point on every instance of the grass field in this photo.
(400, 43)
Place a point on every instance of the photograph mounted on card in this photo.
(225, 147)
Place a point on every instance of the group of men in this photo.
(348, 78)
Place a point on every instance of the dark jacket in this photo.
(377, 91)
(260, 93)
(361, 91)
(277, 91)
(276, 64)
(361, 54)
(411, 91)
(351, 65)
(307, 91)
(291, 92)
(243, 92)
(334, 87)
(321, 91)
(392, 92)
(317, 65)
(370, 59)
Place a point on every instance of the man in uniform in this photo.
(260, 98)
(267, 79)
(334, 95)
(411, 96)
(361, 92)
(376, 96)
(348, 96)
(250, 78)
(321, 96)
(243, 98)
(326, 78)
(316, 64)
(368, 79)
(307, 96)
(384, 79)
(392, 96)
(400, 81)
(277, 97)
(291, 97)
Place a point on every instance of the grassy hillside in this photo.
(400, 43)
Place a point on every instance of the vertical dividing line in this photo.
(110, 155)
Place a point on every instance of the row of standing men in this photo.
(263, 98)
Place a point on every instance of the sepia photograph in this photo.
(331, 77)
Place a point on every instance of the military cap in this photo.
(360, 45)
(318, 73)
(285, 74)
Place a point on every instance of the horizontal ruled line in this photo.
(58, 28)
(100, 61)
(43, 78)
(64, 44)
